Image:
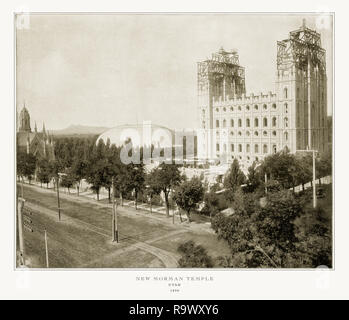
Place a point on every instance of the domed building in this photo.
(37, 143)
(148, 135)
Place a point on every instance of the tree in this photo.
(44, 171)
(67, 181)
(166, 177)
(193, 256)
(26, 165)
(96, 170)
(324, 165)
(79, 171)
(282, 167)
(234, 178)
(137, 178)
(254, 177)
(261, 237)
(188, 194)
(152, 187)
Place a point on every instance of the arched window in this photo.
(247, 107)
(256, 107)
(248, 148)
(265, 133)
(274, 122)
(248, 133)
(217, 147)
(265, 107)
(239, 123)
(285, 93)
(256, 122)
(256, 133)
(256, 148)
(274, 148)
(265, 122)
(232, 147)
(286, 122)
(240, 148)
(224, 109)
(286, 107)
(224, 123)
(274, 133)
(239, 133)
(265, 148)
(248, 122)
(231, 109)
(231, 133)
(274, 106)
(217, 123)
(286, 136)
(232, 122)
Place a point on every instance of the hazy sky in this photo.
(106, 70)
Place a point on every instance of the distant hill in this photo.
(79, 130)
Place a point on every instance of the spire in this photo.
(36, 128)
(24, 120)
(44, 130)
(304, 23)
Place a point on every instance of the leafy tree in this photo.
(254, 177)
(324, 165)
(44, 171)
(79, 171)
(166, 177)
(261, 237)
(67, 181)
(26, 165)
(188, 194)
(234, 178)
(282, 167)
(96, 174)
(152, 187)
(193, 256)
(137, 178)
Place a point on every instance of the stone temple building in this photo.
(249, 127)
(39, 144)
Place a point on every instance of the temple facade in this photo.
(249, 127)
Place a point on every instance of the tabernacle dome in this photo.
(145, 134)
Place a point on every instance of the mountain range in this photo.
(79, 130)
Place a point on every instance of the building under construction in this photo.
(249, 127)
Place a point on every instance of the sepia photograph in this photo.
(174, 140)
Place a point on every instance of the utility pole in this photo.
(115, 233)
(20, 229)
(309, 103)
(314, 182)
(46, 249)
(265, 182)
(59, 205)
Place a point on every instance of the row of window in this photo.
(256, 107)
(248, 122)
(256, 133)
(248, 148)
(265, 134)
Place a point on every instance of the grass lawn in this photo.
(83, 237)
